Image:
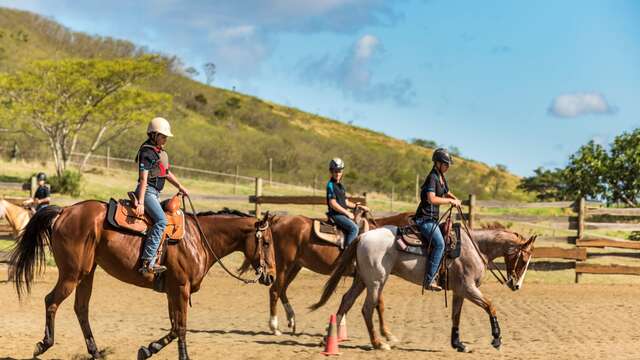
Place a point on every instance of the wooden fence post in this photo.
(582, 213)
(472, 210)
(393, 194)
(270, 171)
(366, 200)
(108, 157)
(258, 194)
(34, 186)
(235, 180)
(418, 188)
(315, 185)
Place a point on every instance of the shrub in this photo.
(68, 183)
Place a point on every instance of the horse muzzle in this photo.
(266, 279)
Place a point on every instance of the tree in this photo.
(191, 72)
(623, 168)
(209, 72)
(429, 144)
(584, 176)
(549, 185)
(63, 98)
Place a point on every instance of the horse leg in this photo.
(384, 330)
(64, 287)
(81, 307)
(373, 294)
(288, 309)
(179, 321)
(475, 296)
(156, 346)
(456, 310)
(274, 294)
(349, 298)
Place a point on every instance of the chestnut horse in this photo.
(80, 239)
(296, 247)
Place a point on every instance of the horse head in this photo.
(363, 219)
(517, 262)
(264, 263)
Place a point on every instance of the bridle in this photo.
(262, 241)
(513, 275)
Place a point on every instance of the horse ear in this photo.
(531, 240)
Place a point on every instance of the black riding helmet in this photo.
(443, 156)
(41, 176)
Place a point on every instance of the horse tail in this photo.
(345, 263)
(28, 257)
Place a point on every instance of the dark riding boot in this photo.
(155, 269)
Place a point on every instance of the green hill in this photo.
(217, 129)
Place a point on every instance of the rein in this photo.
(487, 262)
(259, 236)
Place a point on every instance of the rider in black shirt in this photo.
(434, 192)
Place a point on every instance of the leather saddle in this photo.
(121, 215)
(330, 233)
(409, 239)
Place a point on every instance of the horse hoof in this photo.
(144, 353)
(277, 332)
(496, 343)
(40, 349)
(385, 347)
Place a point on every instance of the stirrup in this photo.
(433, 286)
(155, 269)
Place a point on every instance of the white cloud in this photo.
(352, 72)
(578, 104)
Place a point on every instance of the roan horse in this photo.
(80, 239)
(378, 257)
(297, 247)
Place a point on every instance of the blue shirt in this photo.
(335, 190)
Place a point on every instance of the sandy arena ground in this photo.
(229, 320)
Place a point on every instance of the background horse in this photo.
(378, 257)
(296, 247)
(16, 216)
(80, 239)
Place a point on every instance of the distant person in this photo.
(339, 205)
(153, 164)
(42, 196)
(434, 192)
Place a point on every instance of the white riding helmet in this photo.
(161, 126)
(336, 164)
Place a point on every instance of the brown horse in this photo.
(80, 239)
(296, 247)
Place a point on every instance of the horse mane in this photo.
(224, 211)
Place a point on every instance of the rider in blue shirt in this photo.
(339, 205)
(434, 192)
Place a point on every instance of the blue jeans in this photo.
(437, 246)
(153, 208)
(349, 228)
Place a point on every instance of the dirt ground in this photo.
(229, 320)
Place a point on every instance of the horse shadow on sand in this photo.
(294, 340)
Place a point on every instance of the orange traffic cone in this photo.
(331, 347)
(342, 329)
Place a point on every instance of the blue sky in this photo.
(507, 82)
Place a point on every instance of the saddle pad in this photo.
(328, 233)
(120, 215)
